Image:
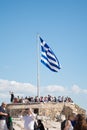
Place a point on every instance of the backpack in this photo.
(63, 124)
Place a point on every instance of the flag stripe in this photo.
(48, 62)
(49, 66)
(52, 62)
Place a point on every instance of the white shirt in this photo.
(29, 122)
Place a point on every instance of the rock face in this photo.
(50, 110)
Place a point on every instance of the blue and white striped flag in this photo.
(48, 58)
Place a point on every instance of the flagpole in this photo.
(38, 68)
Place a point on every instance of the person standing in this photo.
(12, 96)
(68, 124)
(40, 125)
(28, 116)
(9, 122)
(3, 116)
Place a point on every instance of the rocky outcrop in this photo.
(51, 109)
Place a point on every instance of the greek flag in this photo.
(48, 58)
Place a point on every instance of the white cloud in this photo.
(85, 91)
(16, 87)
(76, 89)
(55, 88)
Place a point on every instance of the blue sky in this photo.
(63, 25)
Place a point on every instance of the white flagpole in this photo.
(38, 67)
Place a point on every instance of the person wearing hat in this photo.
(3, 116)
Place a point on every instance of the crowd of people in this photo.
(44, 99)
(72, 122)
